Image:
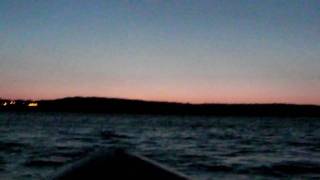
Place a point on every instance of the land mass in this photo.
(127, 106)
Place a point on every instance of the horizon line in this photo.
(158, 101)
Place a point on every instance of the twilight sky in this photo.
(244, 51)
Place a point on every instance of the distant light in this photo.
(12, 102)
(5, 104)
(33, 104)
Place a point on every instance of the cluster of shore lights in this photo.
(33, 104)
(30, 104)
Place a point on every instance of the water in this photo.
(34, 145)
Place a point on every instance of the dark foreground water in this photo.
(34, 145)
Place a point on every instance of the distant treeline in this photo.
(125, 106)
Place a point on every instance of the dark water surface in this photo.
(34, 145)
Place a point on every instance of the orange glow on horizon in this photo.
(194, 99)
(229, 93)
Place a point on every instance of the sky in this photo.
(196, 51)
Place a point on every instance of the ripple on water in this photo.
(215, 167)
(44, 162)
(107, 134)
(295, 167)
(209, 147)
(13, 147)
(2, 164)
(72, 153)
(280, 169)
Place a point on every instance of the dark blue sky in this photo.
(241, 51)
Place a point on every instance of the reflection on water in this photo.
(34, 145)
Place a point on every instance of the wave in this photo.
(215, 168)
(73, 153)
(2, 164)
(12, 147)
(295, 167)
(301, 143)
(46, 162)
(282, 169)
(106, 134)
